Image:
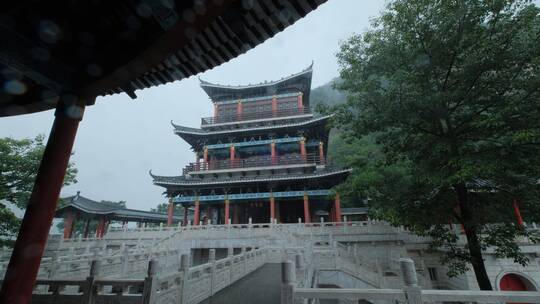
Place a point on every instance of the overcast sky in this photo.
(120, 140)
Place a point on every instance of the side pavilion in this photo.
(80, 208)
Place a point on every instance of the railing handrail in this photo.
(255, 115)
(254, 162)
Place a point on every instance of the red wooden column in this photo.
(196, 215)
(100, 231)
(186, 210)
(24, 263)
(307, 216)
(274, 106)
(227, 211)
(273, 155)
(517, 212)
(300, 103)
(239, 109)
(205, 155)
(68, 225)
(272, 207)
(321, 153)
(170, 212)
(337, 208)
(232, 156)
(303, 148)
(208, 215)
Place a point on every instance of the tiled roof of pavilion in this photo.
(96, 48)
(183, 181)
(196, 137)
(298, 82)
(93, 208)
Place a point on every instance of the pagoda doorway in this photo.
(290, 210)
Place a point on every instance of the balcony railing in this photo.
(264, 161)
(252, 116)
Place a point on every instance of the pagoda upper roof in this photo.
(93, 208)
(198, 137)
(183, 182)
(299, 82)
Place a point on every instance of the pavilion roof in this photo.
(199, 137)
(298, 82)
(54, 50)
(182, 182)
(94, 209)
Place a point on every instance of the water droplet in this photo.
(14, 87)
(49, 32)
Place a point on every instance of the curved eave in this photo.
(168, 181)
(115, 213)
(218, 32)
(197, 137)
(186, 132)
(300, 82)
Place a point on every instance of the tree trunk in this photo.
(475, 250)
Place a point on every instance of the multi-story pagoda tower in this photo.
(261, 156)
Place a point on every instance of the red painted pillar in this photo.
(337, 208)
(232, 156)
(321, 153)
(226, 211)
(24, 263)
(208, 215)
(307, 216)
(517, 212)
(272, 207)
(274, 106)
(239, 109)
(186, 210)
(68, 225)
(273, 156)
(196, 215)
(300, 103)
(205, 155)
(303, 148)
(170, 212)
(100, 228)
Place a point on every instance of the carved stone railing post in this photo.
(184, 268)
(125, 260)
(89, 292)
(288, 281)
(243, 256)
(150, 286)
(212, 261)
(410, 280)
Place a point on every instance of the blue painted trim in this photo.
(244, 196)
(255, 142)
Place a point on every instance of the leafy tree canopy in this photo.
(447, 94)
(19, 163)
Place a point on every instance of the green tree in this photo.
(450, 91)
(164, 208)
(19, 163)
